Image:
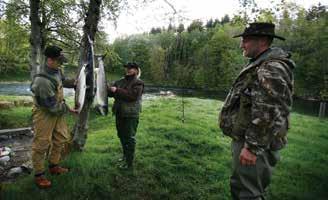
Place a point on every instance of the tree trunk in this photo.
(35, 38)
(322, 109)
(90, 28)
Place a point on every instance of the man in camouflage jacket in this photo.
(256, 112)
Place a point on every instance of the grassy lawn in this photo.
(176, 160)
(17, 77)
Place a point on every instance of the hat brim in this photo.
(274, 36)
(130, 66)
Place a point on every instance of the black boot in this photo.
(129, 156)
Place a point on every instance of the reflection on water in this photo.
(300, 105)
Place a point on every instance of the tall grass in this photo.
(176, 160)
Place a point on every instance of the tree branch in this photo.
(67, 37)
(61, 41)
(172, 7)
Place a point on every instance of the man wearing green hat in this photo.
(49, 125)
(256, 111)
(127, 93)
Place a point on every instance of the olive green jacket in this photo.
(47, 89)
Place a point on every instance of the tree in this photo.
(216, 22)
(316, 12)
(248, 10)
(225, 19)
(157, 64)
(180, 28)
(140, 53)
(89, 31)
(220, 60)
(14, 44)
(209, 24)
(171, 28)
(195, 25)
(36, 37)
(266, 16)
(155, 30)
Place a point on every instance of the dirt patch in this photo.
(20, 156)
(6, 104)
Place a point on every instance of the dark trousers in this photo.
(251, 181)
(126, 130)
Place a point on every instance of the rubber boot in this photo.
(57, 170)
(42, 182)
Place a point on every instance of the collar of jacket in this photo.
(130, 77)
(258, 56)
(274, 53)
(51, 70)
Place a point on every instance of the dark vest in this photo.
(122, 108)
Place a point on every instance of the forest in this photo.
(201, 55)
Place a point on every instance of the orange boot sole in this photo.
(42, 182)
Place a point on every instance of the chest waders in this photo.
(50, 133)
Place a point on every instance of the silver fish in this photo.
(81, 87)
(85, 87)
(101, 98)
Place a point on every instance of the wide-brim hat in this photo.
(260, 29)
(55, 52)
(131, 65)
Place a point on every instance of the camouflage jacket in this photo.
(127, 97)
(257, 107)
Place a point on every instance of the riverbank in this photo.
(15, 78)
(176, 160)
(25, 77)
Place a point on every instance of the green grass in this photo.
(21, 76)
(14, 98)
(20, 116)
(176, 160)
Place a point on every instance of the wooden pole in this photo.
(322, 109)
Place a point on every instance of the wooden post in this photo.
(16, 131)
(322, 109)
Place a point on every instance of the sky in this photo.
(160, 14)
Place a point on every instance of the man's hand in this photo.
(113, 89)
(246, 157)
(73, 111)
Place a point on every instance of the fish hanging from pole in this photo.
(101, 97)
(85, 84)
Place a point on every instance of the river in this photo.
(300, 105)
